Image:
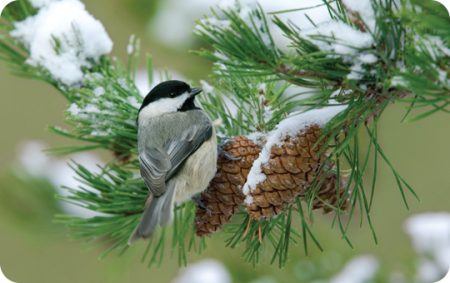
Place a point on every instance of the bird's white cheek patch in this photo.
(163, 106)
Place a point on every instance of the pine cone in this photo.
(327, 197)
(221, 200)
(291, 170)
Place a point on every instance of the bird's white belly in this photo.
(197, 172)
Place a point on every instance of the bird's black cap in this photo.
(168, 89)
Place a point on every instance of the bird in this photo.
(177, 151)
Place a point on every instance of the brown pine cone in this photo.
(291, 170)
(217, 204)
(327, 199)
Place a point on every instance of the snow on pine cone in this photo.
(221, 200)
(289, 172)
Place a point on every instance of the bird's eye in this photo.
(172, 94)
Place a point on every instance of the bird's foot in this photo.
(201, 204)
(227, 155)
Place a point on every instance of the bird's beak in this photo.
(195, 91)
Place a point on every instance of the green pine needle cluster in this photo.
(243, 51)
(255, 84)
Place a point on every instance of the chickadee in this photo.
(177, 152)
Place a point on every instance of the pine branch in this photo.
(241, 52)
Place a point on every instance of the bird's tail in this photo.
(158, 210)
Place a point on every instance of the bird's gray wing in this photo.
(158, 165)
(155, 164)
(190, 140)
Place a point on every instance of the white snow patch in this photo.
(399, 81)
(356, 72)
(32, 158)
(92, 77)
(62, 38)
(35, 162)
(90, 109)
(345, 40)
(174, 23)
(249, 199)
(217, 123)
(359, 270)
(367, 58)
(364, 9)
(262, 88)
(221, 67)
(40, 3)
(433, 45)
(212, 22)
(247, 14)
(74, 109)
(123, 83)
(348, 39)
(134, 102)
(207, 88)
(290, 126)
(142, 82)
(60, 174)
(84, 112)
(99, 91)
(257, 137)
(428, 271)
(298, 93)
(227, 4)
(267, 111)
(340, 91)
(231, 106)
(130, 46)
(205, 271)
(221, 56)
(318, 14)
(175, 20)
(443, 77)
(430, 235)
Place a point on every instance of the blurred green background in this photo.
(33, 249)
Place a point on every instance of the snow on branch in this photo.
(63, 38)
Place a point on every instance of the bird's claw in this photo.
(227, 155)
(198, 201)
(201, 204)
